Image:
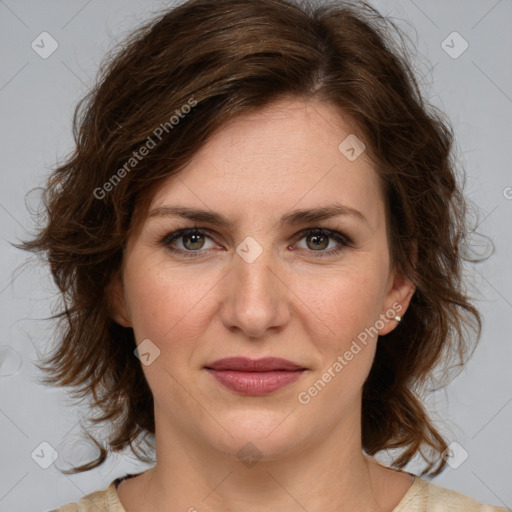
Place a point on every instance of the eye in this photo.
(317, 240)
(192, 240)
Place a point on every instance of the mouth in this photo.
(244, 364)
(255, 376)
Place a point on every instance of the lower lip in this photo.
(255, 383)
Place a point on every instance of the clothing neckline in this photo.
(416, 486)
(408, 497)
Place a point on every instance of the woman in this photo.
(259, 241)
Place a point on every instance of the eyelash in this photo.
(342, 239)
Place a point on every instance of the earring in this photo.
(398, 319)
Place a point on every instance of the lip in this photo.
(255, 376)
(244, 364)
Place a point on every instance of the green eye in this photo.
(318, 239)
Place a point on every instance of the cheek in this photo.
(342, 311)
(341, 305)
(164, 302)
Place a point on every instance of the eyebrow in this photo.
(292, 218)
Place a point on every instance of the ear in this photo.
(117, 302)
(398, 297)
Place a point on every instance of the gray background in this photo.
(37, 99)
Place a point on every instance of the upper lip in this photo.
(265, 364)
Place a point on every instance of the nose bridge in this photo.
(256, 299)
(254, 267)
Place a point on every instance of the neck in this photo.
(327, 475)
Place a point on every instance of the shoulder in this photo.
(426, 496)
(104, 500)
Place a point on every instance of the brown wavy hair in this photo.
(175, 81)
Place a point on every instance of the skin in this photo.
(286, 303)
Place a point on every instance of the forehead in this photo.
(286, 155)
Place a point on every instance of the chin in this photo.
(259, 436)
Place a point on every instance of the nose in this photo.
(256, 296)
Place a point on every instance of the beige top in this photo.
(422, 496)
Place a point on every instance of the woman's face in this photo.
(261, 285)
